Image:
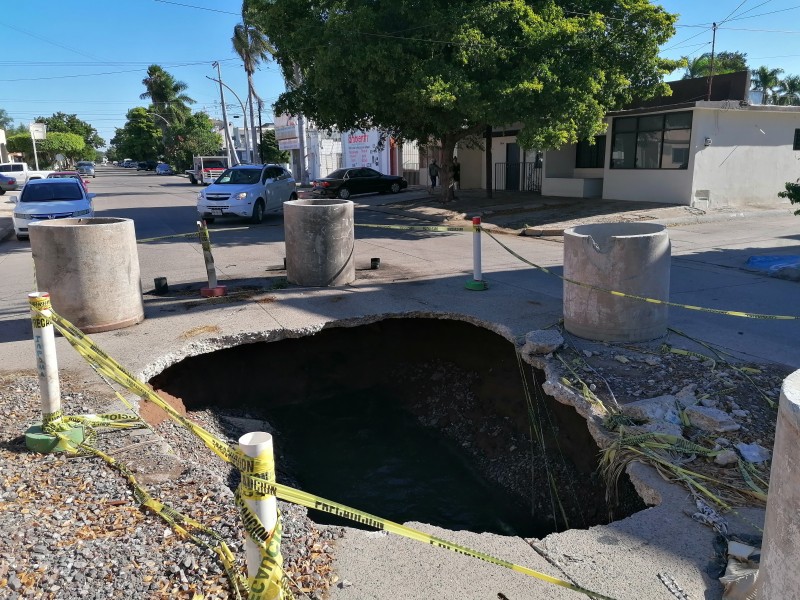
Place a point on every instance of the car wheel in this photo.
(293, 196)
(258, 213)
(209, 220)
(395, 187)
(344, 193)
(192, 179)
(2, 191)
(21, 237)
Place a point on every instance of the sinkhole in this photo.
(412, 419)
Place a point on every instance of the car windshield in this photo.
(85, 164)
(62, 176)
(213, 164)
(240, 176)
(66, 190)
(338, 174)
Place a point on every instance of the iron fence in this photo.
(518, 176)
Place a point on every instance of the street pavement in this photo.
(423, 274)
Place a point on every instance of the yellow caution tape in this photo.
(597, 288)
(182, 235)
(258, 478)
(311, 501)
(438, 228)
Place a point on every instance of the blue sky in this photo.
(89, 58)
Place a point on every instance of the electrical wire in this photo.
(730, 14)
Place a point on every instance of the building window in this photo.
(796, 139)
(591, 156)
(652, 141)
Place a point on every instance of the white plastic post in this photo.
(257, 444)
(45, 346)
(476, 283)
(476, 250)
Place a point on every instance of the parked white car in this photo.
(45, 199)
(247, 191)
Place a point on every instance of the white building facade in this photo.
(705, 154)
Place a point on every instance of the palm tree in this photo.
(766, 80)
(167, 96)
(724, 62)
(252, 46)
(789, 90)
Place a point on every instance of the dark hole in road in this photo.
(412, 420)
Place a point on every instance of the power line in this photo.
(106, 73)
(224, 12)
(742, 3)
(679, 44)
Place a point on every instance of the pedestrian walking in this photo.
(433, 172)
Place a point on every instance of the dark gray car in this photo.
(86, 167)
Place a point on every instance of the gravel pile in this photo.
(70, 527)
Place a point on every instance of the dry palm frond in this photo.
(725, 487)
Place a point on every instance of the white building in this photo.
(678, 149)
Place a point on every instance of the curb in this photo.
(690, 220)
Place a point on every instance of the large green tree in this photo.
(724, 62)
(766, 80)
(167, 97)
(435, 69)
(253, 47)
(140, 137)
(71, 145)
(63, 123)
(194, 136)
(5, 119)
(269, 149)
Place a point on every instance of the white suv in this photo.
(247, 191)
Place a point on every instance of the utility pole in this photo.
(711, 63)
(301, 132)
(232, 157)
(244, 116)
(260, 130)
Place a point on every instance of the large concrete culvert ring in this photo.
(412, 419)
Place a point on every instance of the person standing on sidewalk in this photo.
(433, 172)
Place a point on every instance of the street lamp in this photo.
(160, 117)
(244, 116)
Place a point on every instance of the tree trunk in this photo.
(255, 140)
(488, 153)
(448, 147)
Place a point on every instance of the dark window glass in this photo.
(654, 142)
(796, 139)
(623, 152)
(648, 149)
(651, 123)
(676, 149)
(591, 156)
(681, 120)
(625, 124)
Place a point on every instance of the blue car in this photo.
(164, 169)
(86, 167)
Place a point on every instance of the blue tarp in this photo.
(783, 267)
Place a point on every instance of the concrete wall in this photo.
(473, 168)
(561, 178)
(750, 157)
